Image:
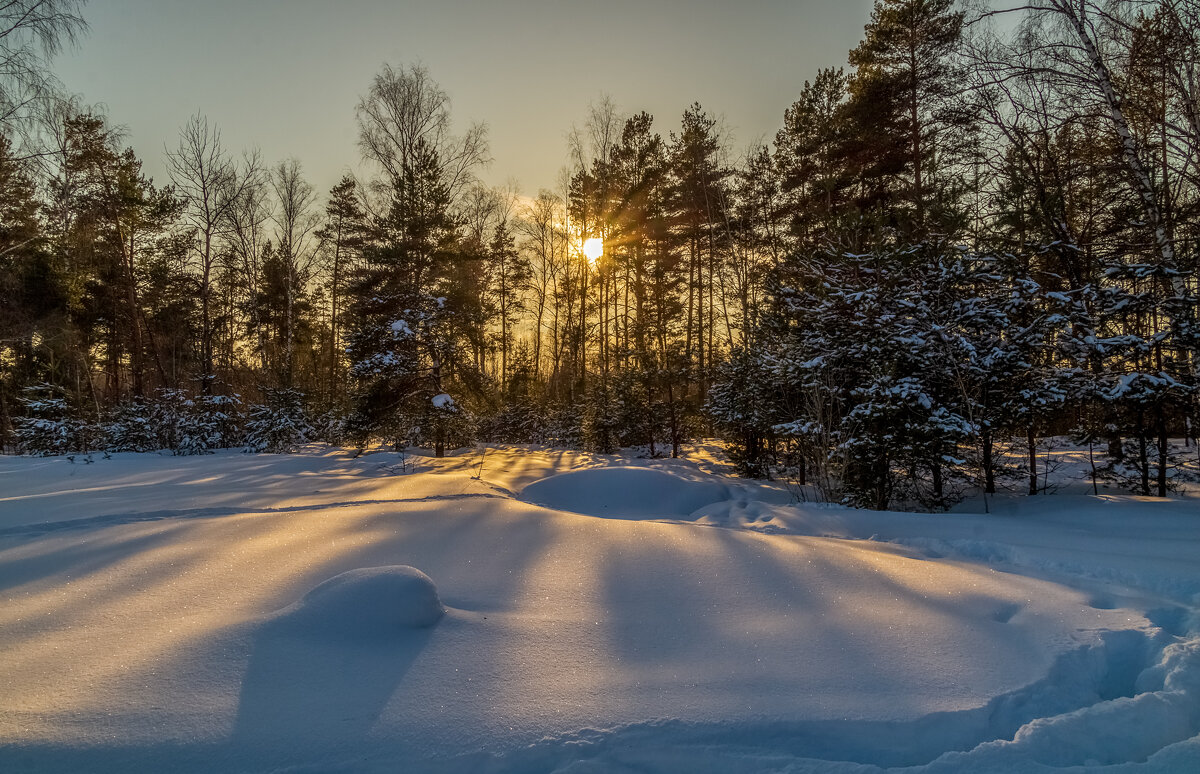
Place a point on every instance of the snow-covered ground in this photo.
(576, 613)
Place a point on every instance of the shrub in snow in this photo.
(601, 420)
(49, 425)
(198, 425)
(636, 421)
(131, 427)
(376, 414)
(331, 427)
(521, 417)
(1148, 462)
(371, 601)
(516, 423)
(894, 434)
(169, 414)
(222, 413)
(564, 427)
(442, 423)
(738, 407)
(280, 425)
(808, 457)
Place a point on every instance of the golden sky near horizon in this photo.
(285, 75)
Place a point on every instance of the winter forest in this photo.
(976, 236)
(865, 447)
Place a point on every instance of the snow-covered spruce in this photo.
(200, 424)
(280, 425)
(131, 427)
(49, 425)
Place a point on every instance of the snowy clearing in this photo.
(600, 614)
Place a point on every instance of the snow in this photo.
(442, 400)
(625, 493)
(367, 602)
(591, 613)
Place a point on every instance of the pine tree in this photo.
(49, 425)
(862, 351)
(648, 297)
(900, 98)
(343, 236)
(813, 160)
(698, 208)
(31, 288)
(508, 274)
(115, 219)
(400, 338)
(759, 236)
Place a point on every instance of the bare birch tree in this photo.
(295, 221)
(209, 183)
(31, 32)
(404, 108)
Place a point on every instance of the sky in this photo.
(285, 75)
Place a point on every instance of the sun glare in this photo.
(593, 248)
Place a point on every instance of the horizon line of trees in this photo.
(980, 235)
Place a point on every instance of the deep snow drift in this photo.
(540, 610)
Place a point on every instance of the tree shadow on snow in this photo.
(306, 691)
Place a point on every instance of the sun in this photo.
(593, 248)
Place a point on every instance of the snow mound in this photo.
(624, 493)
(365, 602)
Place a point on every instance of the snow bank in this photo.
(368, 602)
(1056, 633)
(625, 493)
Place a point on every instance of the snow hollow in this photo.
(541, 610)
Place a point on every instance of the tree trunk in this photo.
(1160, 227)
(206, 334)
(333, 318)
(882, 495)
(1160, 426)
(1031, 440)
(439, 441)
(1143, 453)
(989, 465)
(503, 334)
(137, 350)
(915, 138)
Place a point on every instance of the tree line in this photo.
(977, 236)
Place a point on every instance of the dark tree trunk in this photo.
(1031, 440)
(1143, 453)
(1160, 426)
(882, 493)
(989, 465)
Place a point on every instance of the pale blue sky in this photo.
(285, 74)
